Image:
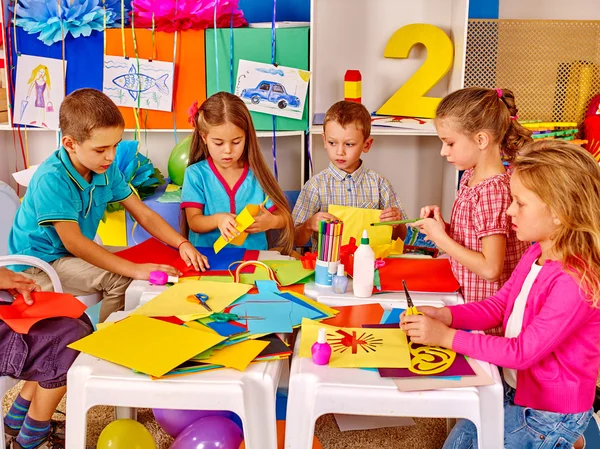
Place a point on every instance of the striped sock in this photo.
(16, 415)
(33, 432)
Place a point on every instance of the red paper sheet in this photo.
(356, 316)
(20, 317)
(421, 275)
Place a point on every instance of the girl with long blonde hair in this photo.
(227, 172)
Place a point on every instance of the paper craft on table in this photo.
(357, 219)
(391, 316)
(244, 219)
(40, 90)
(288, 272)
(275, 90)
(421, 275)
(237, 356)
(139, 83)
(173, 301)
(357, 347)
(275, 314)
(356, 316)
(20, 317)
(146, 345)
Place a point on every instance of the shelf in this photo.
(385, 131)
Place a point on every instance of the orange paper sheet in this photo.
(20, 317)
(190, 72)
(356, 316)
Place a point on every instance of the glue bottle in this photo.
(321, 351)
(364, 268)
(161, 278)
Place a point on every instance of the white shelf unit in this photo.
(352, 34)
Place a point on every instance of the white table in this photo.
(250, 394)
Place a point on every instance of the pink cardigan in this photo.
(557, 354)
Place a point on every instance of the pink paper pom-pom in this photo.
(180, 15)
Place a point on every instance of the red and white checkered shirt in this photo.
(478, 212)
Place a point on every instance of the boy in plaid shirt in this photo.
(346, 181)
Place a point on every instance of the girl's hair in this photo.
(34, 74)
(222, 108)
(476, 109)
(567, 179)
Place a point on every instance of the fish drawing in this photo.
(135, 83)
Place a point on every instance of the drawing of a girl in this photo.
(40, 81)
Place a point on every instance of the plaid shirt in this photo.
(364, 188)
(478, 212)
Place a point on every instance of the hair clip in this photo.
(499, 92)
(192, 112)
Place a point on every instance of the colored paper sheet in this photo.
(356, 220)
(356, 316)
(20, 317)
(424, 383)
(244, 219)
(391, 316)
(227, 329)
(276, 315)
(288, 272)
(173, 301)
(276, 348)
(301, 309)
(358, 348)
(237, 356)
(421, 275)
(189, 78)
(326, 310)
(150, 251)
(113, 231)
(146, 345)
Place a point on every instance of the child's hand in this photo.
(142, 271)
(433, 228)
(227, 226)
(265, 221)
(191, 256)
(427, 331)
(390, 214)
(10, 280)
(442, 314)
(313, 222)
(430, 211)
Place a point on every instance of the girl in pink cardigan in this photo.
(548, 309)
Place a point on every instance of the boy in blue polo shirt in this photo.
(66, 200)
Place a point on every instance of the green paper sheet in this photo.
(289, 272)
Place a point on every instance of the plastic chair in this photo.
(249, 394)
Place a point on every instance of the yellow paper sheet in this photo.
(356, 220)
(172, 188)
(173, 301)
(237, 356)
(358, 347)
(147, 345)
(113, 232)
(244, 219)
(329, 311)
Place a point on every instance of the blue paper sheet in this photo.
(225, 329)
(391, 316)
(276, 316)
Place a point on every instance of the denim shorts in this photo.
(525, 428)
(42, 355)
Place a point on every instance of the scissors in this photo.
(200, 298)
(412, 309)
(225, 317)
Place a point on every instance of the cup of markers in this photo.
(328, 253)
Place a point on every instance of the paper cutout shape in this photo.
(113, 231)
(357, 347)
(146, 345)
(173, 301)
(272, 90)
(237, 356)
(244, 219)
(40, 89)
(227, 329)
(20, 317)
(139, 83)
(289, 272)
(356, 316)
(356, 220)
(421, 275)
(275, 314)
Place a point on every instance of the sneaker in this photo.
(9, 435)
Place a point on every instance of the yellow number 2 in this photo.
(410, 99)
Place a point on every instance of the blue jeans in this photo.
(525, 428)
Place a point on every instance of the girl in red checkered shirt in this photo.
(478, 129)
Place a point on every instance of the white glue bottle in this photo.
(364, 268)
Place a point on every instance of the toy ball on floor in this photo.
(174, 421)
(212, 432)
(178, 161)
(281, 438)
(125, 434)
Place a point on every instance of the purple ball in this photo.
(212, 432)
(174, 421)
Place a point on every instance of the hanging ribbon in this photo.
(216, 47)
(136, 111)
(173, 106)
(273, 51)
(231, 77)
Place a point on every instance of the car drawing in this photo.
(272, 92)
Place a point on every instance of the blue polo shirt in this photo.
(57, 192)
(204, 188)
